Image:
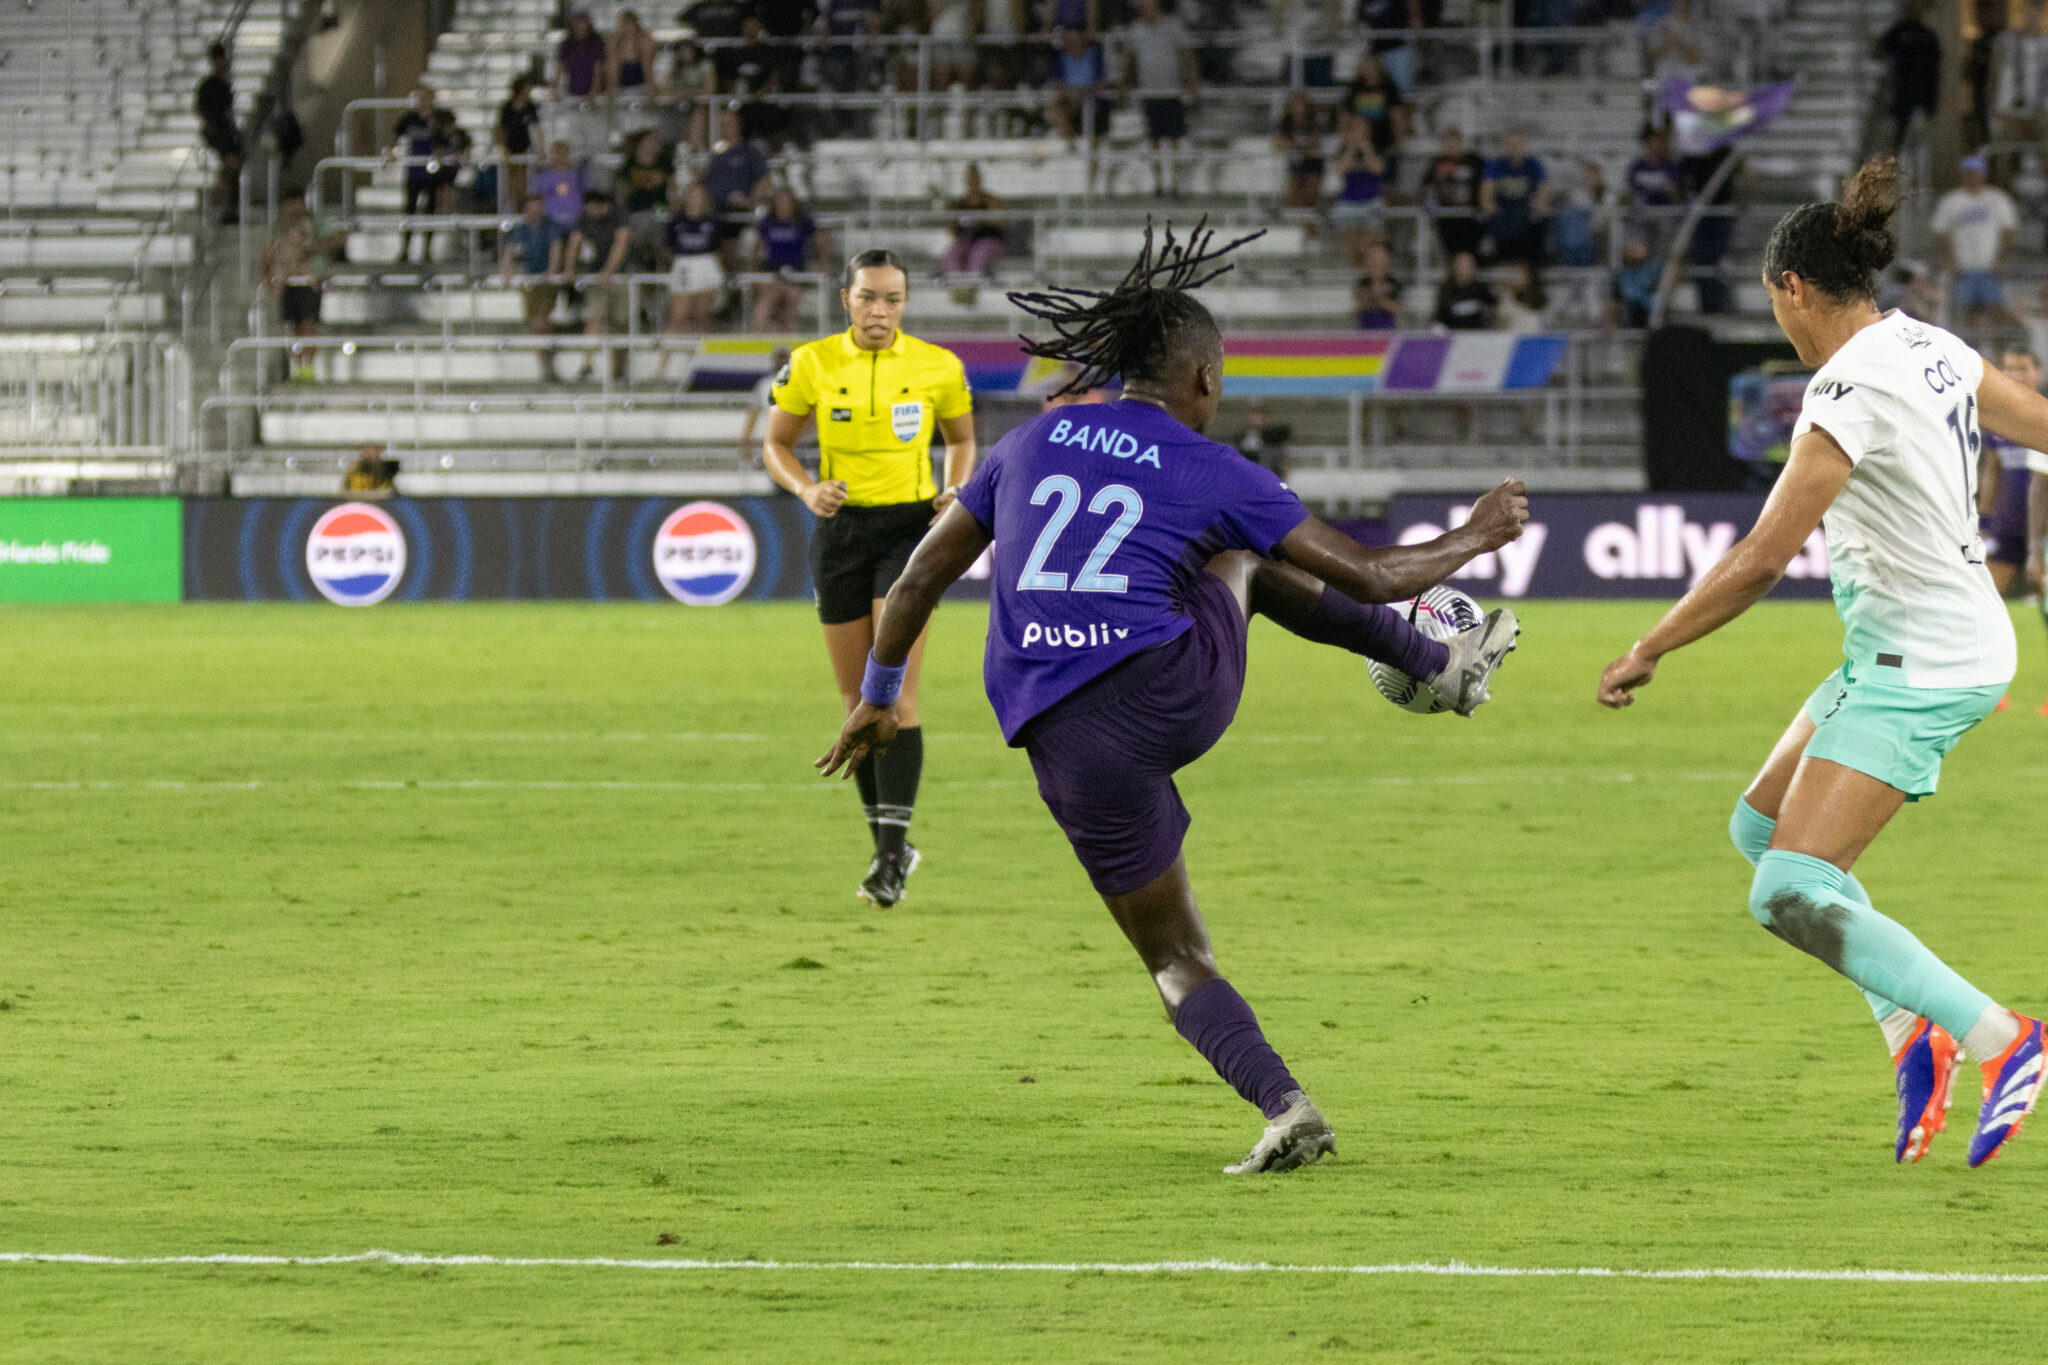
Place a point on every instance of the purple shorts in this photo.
(1106, 754)
(2005, 530)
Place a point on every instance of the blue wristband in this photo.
(881, 686)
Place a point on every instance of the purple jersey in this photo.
(1102, 514)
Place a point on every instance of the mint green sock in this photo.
(1750, 831)
(1802, 901)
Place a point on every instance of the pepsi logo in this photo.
(355, 554)
(704, 554)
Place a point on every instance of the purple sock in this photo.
(1223, 1029)
(1376, 632)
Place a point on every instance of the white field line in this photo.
(544, 784)
(1450, 1269)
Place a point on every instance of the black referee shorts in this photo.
(858, 554)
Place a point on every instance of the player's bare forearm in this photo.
(961, 452)
(1813, 476)
(2010, 409)
(2037, 529)
(948, 550)
(1400, 571)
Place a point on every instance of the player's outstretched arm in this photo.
(948, 550)
(1401, 571)
(1813, 476)
(2008, 408)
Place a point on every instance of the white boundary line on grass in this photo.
(1454, 1269)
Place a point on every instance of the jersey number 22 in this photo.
(1130, 507)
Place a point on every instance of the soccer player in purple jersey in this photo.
(1130, 552)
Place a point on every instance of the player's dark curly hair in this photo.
(1137, 329)
(1839, 248)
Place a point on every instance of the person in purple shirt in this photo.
(1130, 552)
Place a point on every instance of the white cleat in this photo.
(1475, 654)
(1299, 1137)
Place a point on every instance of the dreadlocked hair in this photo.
(1136, 330)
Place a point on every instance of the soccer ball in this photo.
(1439, 613)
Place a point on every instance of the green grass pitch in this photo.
(527, 931)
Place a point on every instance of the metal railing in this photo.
(1586, 417)
(78, 394)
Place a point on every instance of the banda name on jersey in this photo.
(1107, 440)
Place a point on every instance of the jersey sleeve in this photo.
(2037, 461)
(796, 384)
(1257, 509)
(955, 399)
(1856, 415)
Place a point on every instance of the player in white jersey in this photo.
(1885, 455)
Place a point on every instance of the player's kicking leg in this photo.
(1459, 669)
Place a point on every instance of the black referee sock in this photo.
(897, 773)
(864, 778)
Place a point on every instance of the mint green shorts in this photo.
(1898, 735)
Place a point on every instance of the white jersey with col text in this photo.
(1917, 604)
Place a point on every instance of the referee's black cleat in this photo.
(883, 886)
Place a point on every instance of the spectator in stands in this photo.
(977, 236)
(596, 250)
(1264, 442)
(1079, 77)
(692, 79)
(1396, 55)
(762, 405)
(214, 102)
(736, 177)
(1376, 97)
(1083, 16)
(562, 183)
(1580, 218)
(1514, 201)
(1377, 295)
(843, 68)
(582, 74)
(453, 147)
(1525, 307)
(1465, 302)
(1635, 283)
(533, 251)
(950, 25)
(1159, 65)
(1677, 49)
(643, 181)
(715, 18)
(1975, 224)
(1451, 193)
(694, 274)
(747, 72)
(1358, 210)
(1299, 137)
(1978, 66)
(788, 239)
(1653, 188)
(1911, 52)
(518, 120)
(629, 57)
(1714, 231)
(295, 270)
(1913, 289)
(417, 139)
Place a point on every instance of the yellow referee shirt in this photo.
(876, 410)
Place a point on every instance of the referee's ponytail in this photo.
(1839, 248)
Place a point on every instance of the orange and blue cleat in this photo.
(1925, 1073)
(2012, 1082)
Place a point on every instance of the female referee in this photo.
(1885, 455)
(877, 394)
